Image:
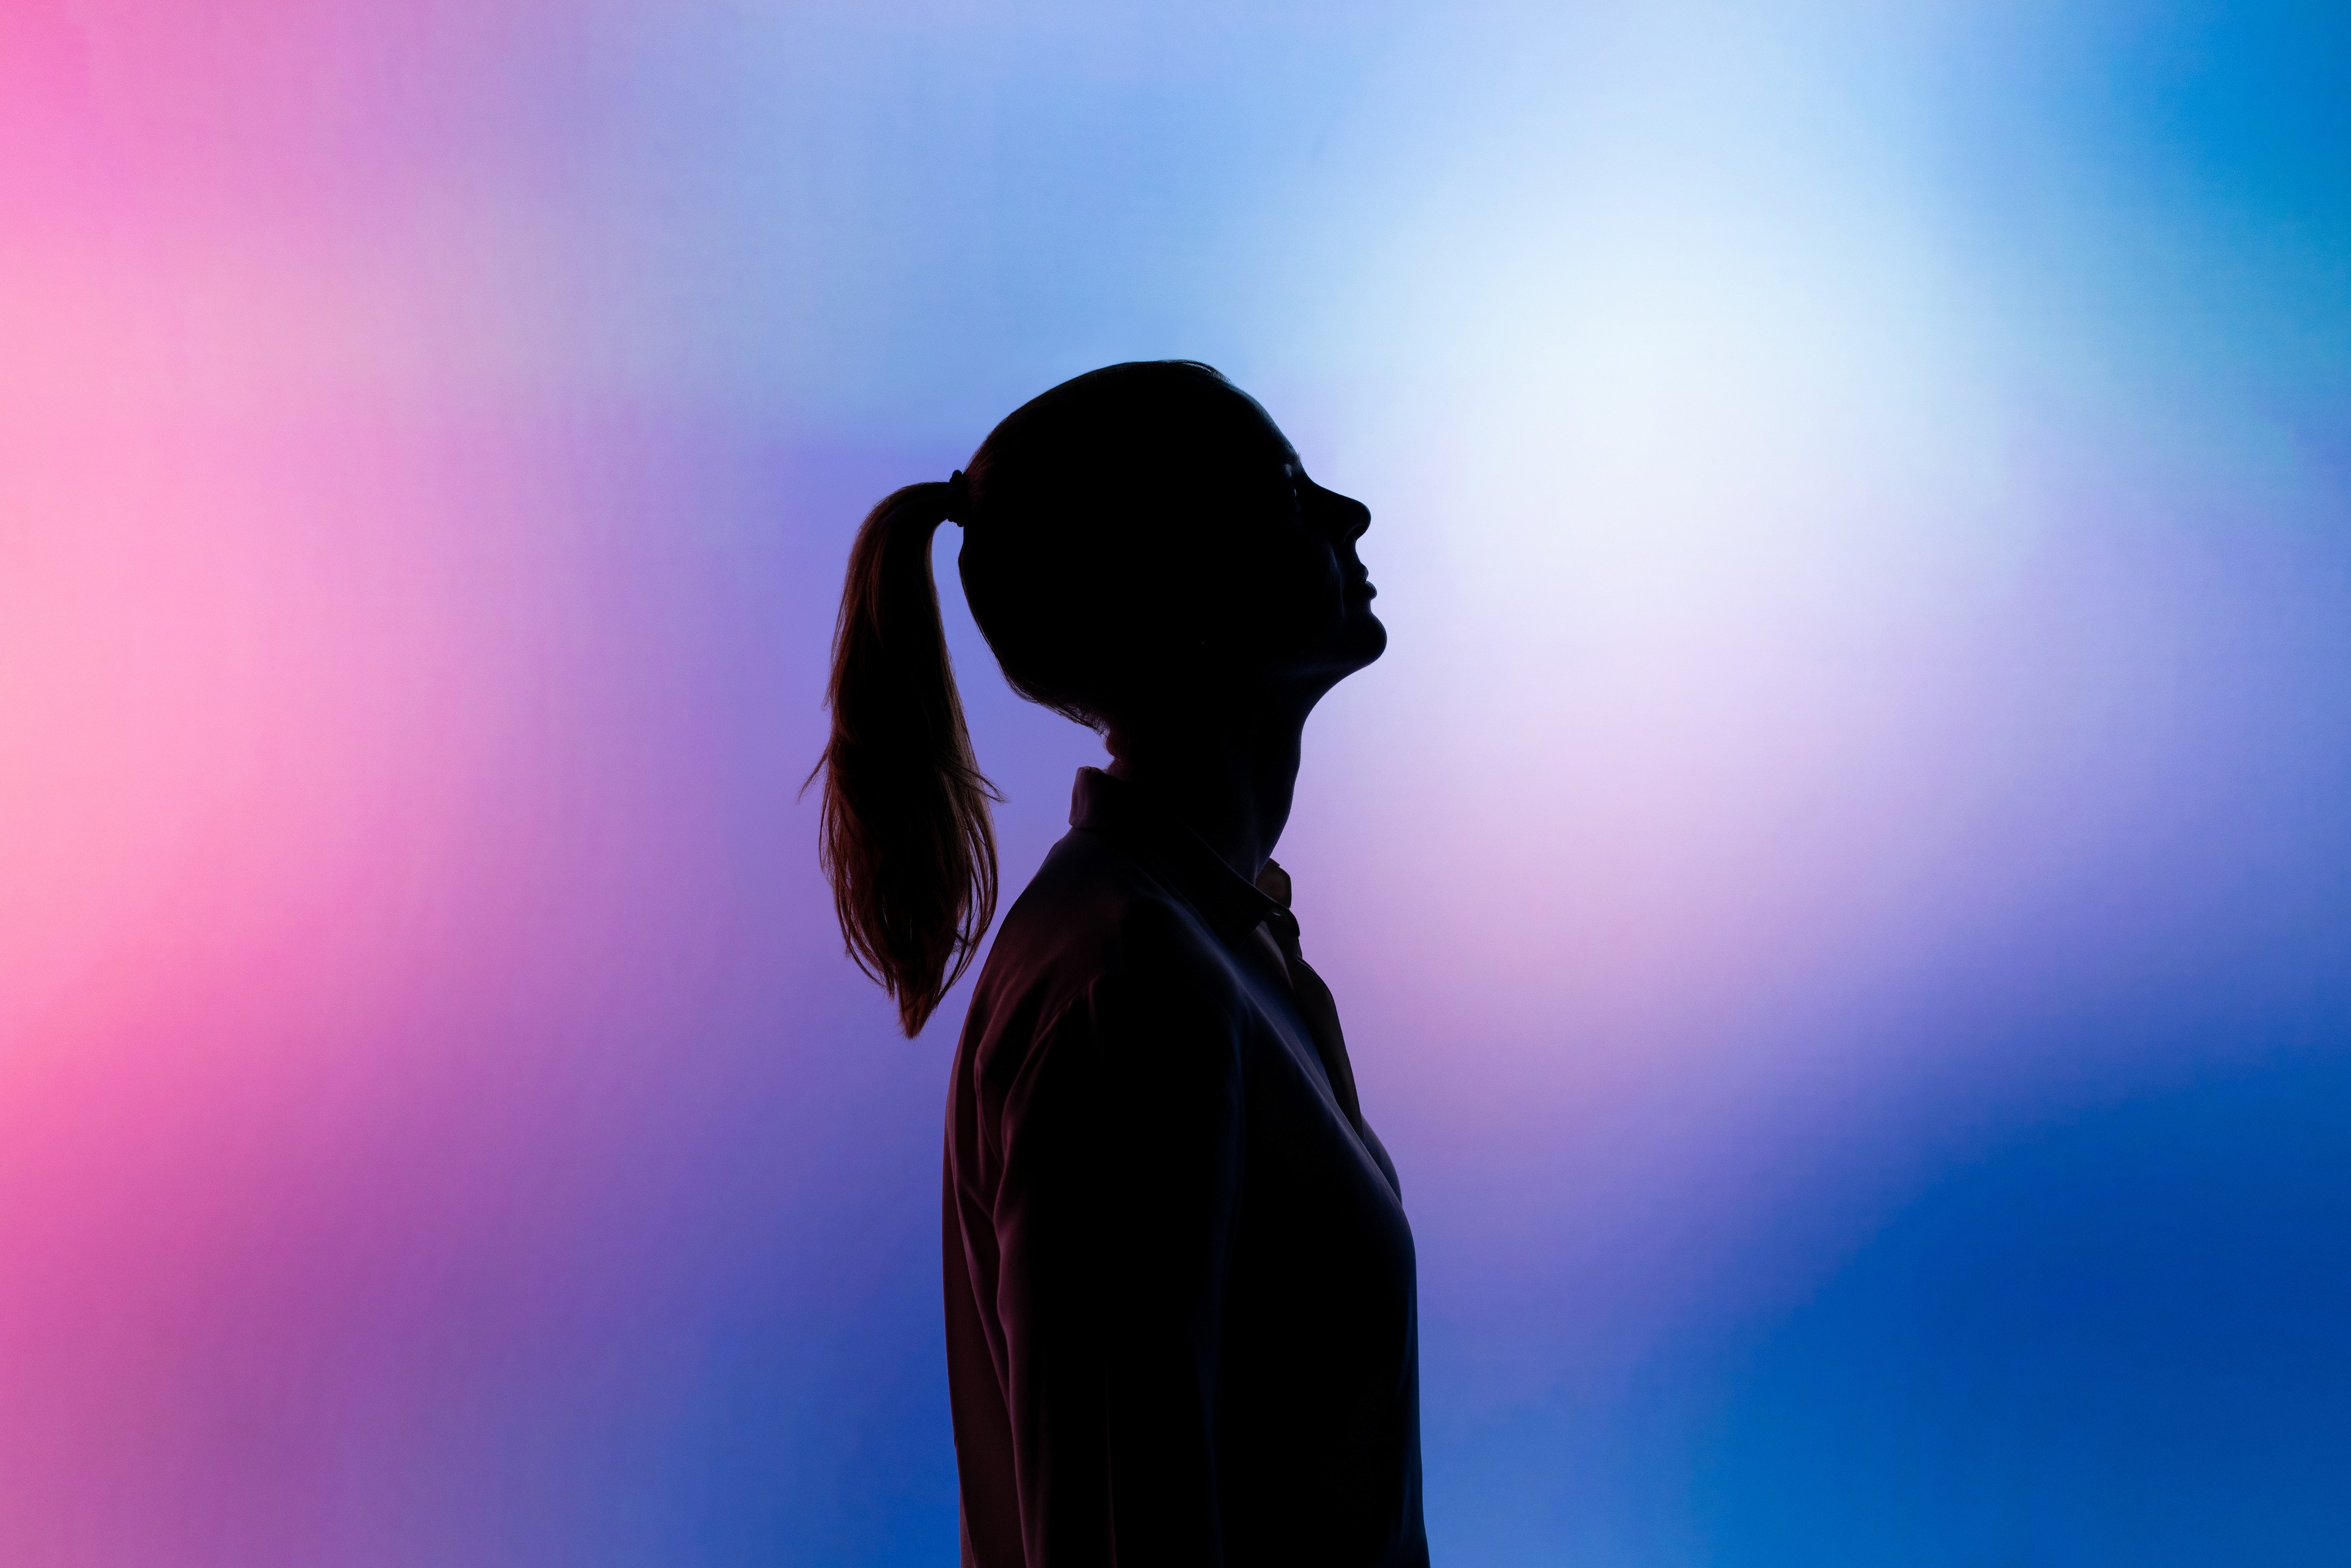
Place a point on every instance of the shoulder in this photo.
(1097, 942)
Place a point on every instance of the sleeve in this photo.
(1122, 1144)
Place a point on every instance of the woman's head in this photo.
(1144, 537)
(1141, 547)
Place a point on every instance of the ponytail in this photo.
(905, 836)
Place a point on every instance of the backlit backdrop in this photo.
(1841, 890)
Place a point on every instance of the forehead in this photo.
(1239, 422)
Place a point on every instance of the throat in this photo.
(1233, 789)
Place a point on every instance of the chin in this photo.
(1366, 638)
(1336, 650)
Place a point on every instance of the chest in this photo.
(1314, 1202)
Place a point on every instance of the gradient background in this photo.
(1862, 1003)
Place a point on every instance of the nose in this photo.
(1341, 517)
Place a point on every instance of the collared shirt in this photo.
(1181, 1322)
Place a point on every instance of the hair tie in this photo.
(958, 497)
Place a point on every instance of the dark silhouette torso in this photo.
(1181, 1324)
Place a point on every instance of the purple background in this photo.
(1860, 1005)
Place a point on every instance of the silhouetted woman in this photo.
(1179, 1282)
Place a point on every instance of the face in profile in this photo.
(1148, 539)
(1295, 597)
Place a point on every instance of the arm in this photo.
(1121, 1141)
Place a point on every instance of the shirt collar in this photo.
(1119, 809)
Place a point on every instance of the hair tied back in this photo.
(958, 498)
(904, 835)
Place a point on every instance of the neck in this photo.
(1229, 782)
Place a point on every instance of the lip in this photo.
(1362, 586)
